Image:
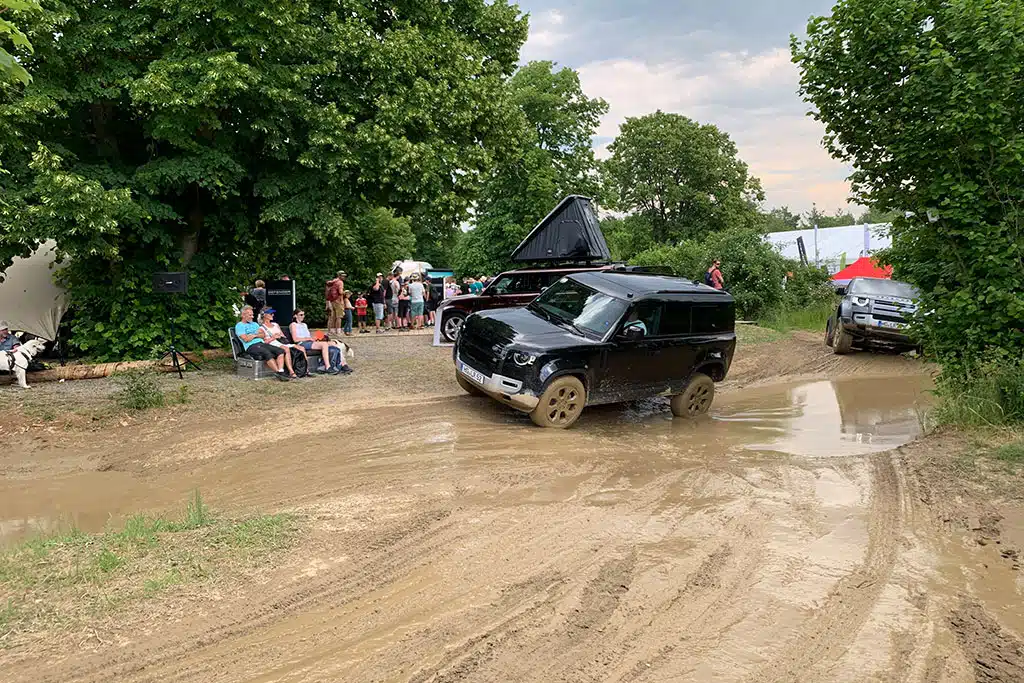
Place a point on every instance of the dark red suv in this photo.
(513, 289)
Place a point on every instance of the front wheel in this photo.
(696, 398)
(561, 404)
(452, 325)
(468, 386)
(842, 341)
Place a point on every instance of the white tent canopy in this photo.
(831, 244)
(30, 300)
(410, 267)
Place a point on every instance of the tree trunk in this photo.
(190, 240)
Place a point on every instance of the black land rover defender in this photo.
(601, 337)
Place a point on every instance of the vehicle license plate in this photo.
(890, 325)
(474, 375)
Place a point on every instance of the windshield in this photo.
(587, 309)
(883, 288)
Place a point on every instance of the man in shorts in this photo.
(334, 294)
(378, 296)
(253, 339)
(416, 292)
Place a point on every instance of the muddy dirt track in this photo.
(448, 540)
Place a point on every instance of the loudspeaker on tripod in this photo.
(170, 283)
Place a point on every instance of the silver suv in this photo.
(872, 312)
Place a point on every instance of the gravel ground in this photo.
(393, 363)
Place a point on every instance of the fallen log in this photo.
(101, 370)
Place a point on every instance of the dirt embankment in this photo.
(445, 540)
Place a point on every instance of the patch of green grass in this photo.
(1011, 452)
(151, 587)
(183, 395)
(79, 576)
(812, 318)
(987, 395)
(139, 390)
(753, 334)
(197, 515)
(264, 532)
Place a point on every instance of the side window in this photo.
(546, 280)
(646, 312)
(675, 320)
(502, 286)
(524, 284)
(712, 318)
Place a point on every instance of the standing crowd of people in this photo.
(392, 302)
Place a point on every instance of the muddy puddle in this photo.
(465, 439)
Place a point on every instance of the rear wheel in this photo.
(696, 398)
(451, 326)
(842, 342)
(561, 403)
(468, 386)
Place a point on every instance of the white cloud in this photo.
(750, 96)
(545, 34)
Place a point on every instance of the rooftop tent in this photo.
(863, 267)
(571, 232)
(30, 301)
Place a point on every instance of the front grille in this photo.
(892, 311)
(477, 356)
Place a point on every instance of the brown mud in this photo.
(781, 539)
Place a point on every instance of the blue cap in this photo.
(269, 310)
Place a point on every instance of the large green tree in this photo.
(553, 158)
(10, 67)
(781, 219)
(216, 135)
(926, 99)
(817, 217)
(684, 177)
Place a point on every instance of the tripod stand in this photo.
(178, 359)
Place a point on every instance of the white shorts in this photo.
(378, 311)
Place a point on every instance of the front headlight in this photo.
(523, 359)
(861, 301)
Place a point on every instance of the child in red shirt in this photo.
(361, 313)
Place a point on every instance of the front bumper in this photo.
(866, 326)
(503, 389)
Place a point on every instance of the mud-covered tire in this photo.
(561, 403)
(451, 325)
(829, 332)
(842, 341)
(696, 398)
(468, 386)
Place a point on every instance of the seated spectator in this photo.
(274, 336)
(301, 336)
(253, 340)
(333, 358)
(8, 342)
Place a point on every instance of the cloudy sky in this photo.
(724, 62)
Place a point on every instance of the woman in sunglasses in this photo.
(302, 337)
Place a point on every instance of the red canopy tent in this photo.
(865, 266)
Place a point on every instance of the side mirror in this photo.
(841, 291)
(631, 334)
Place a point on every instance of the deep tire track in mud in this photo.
(996, 655)
(829, 632)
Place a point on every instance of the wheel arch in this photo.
(713, 369)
